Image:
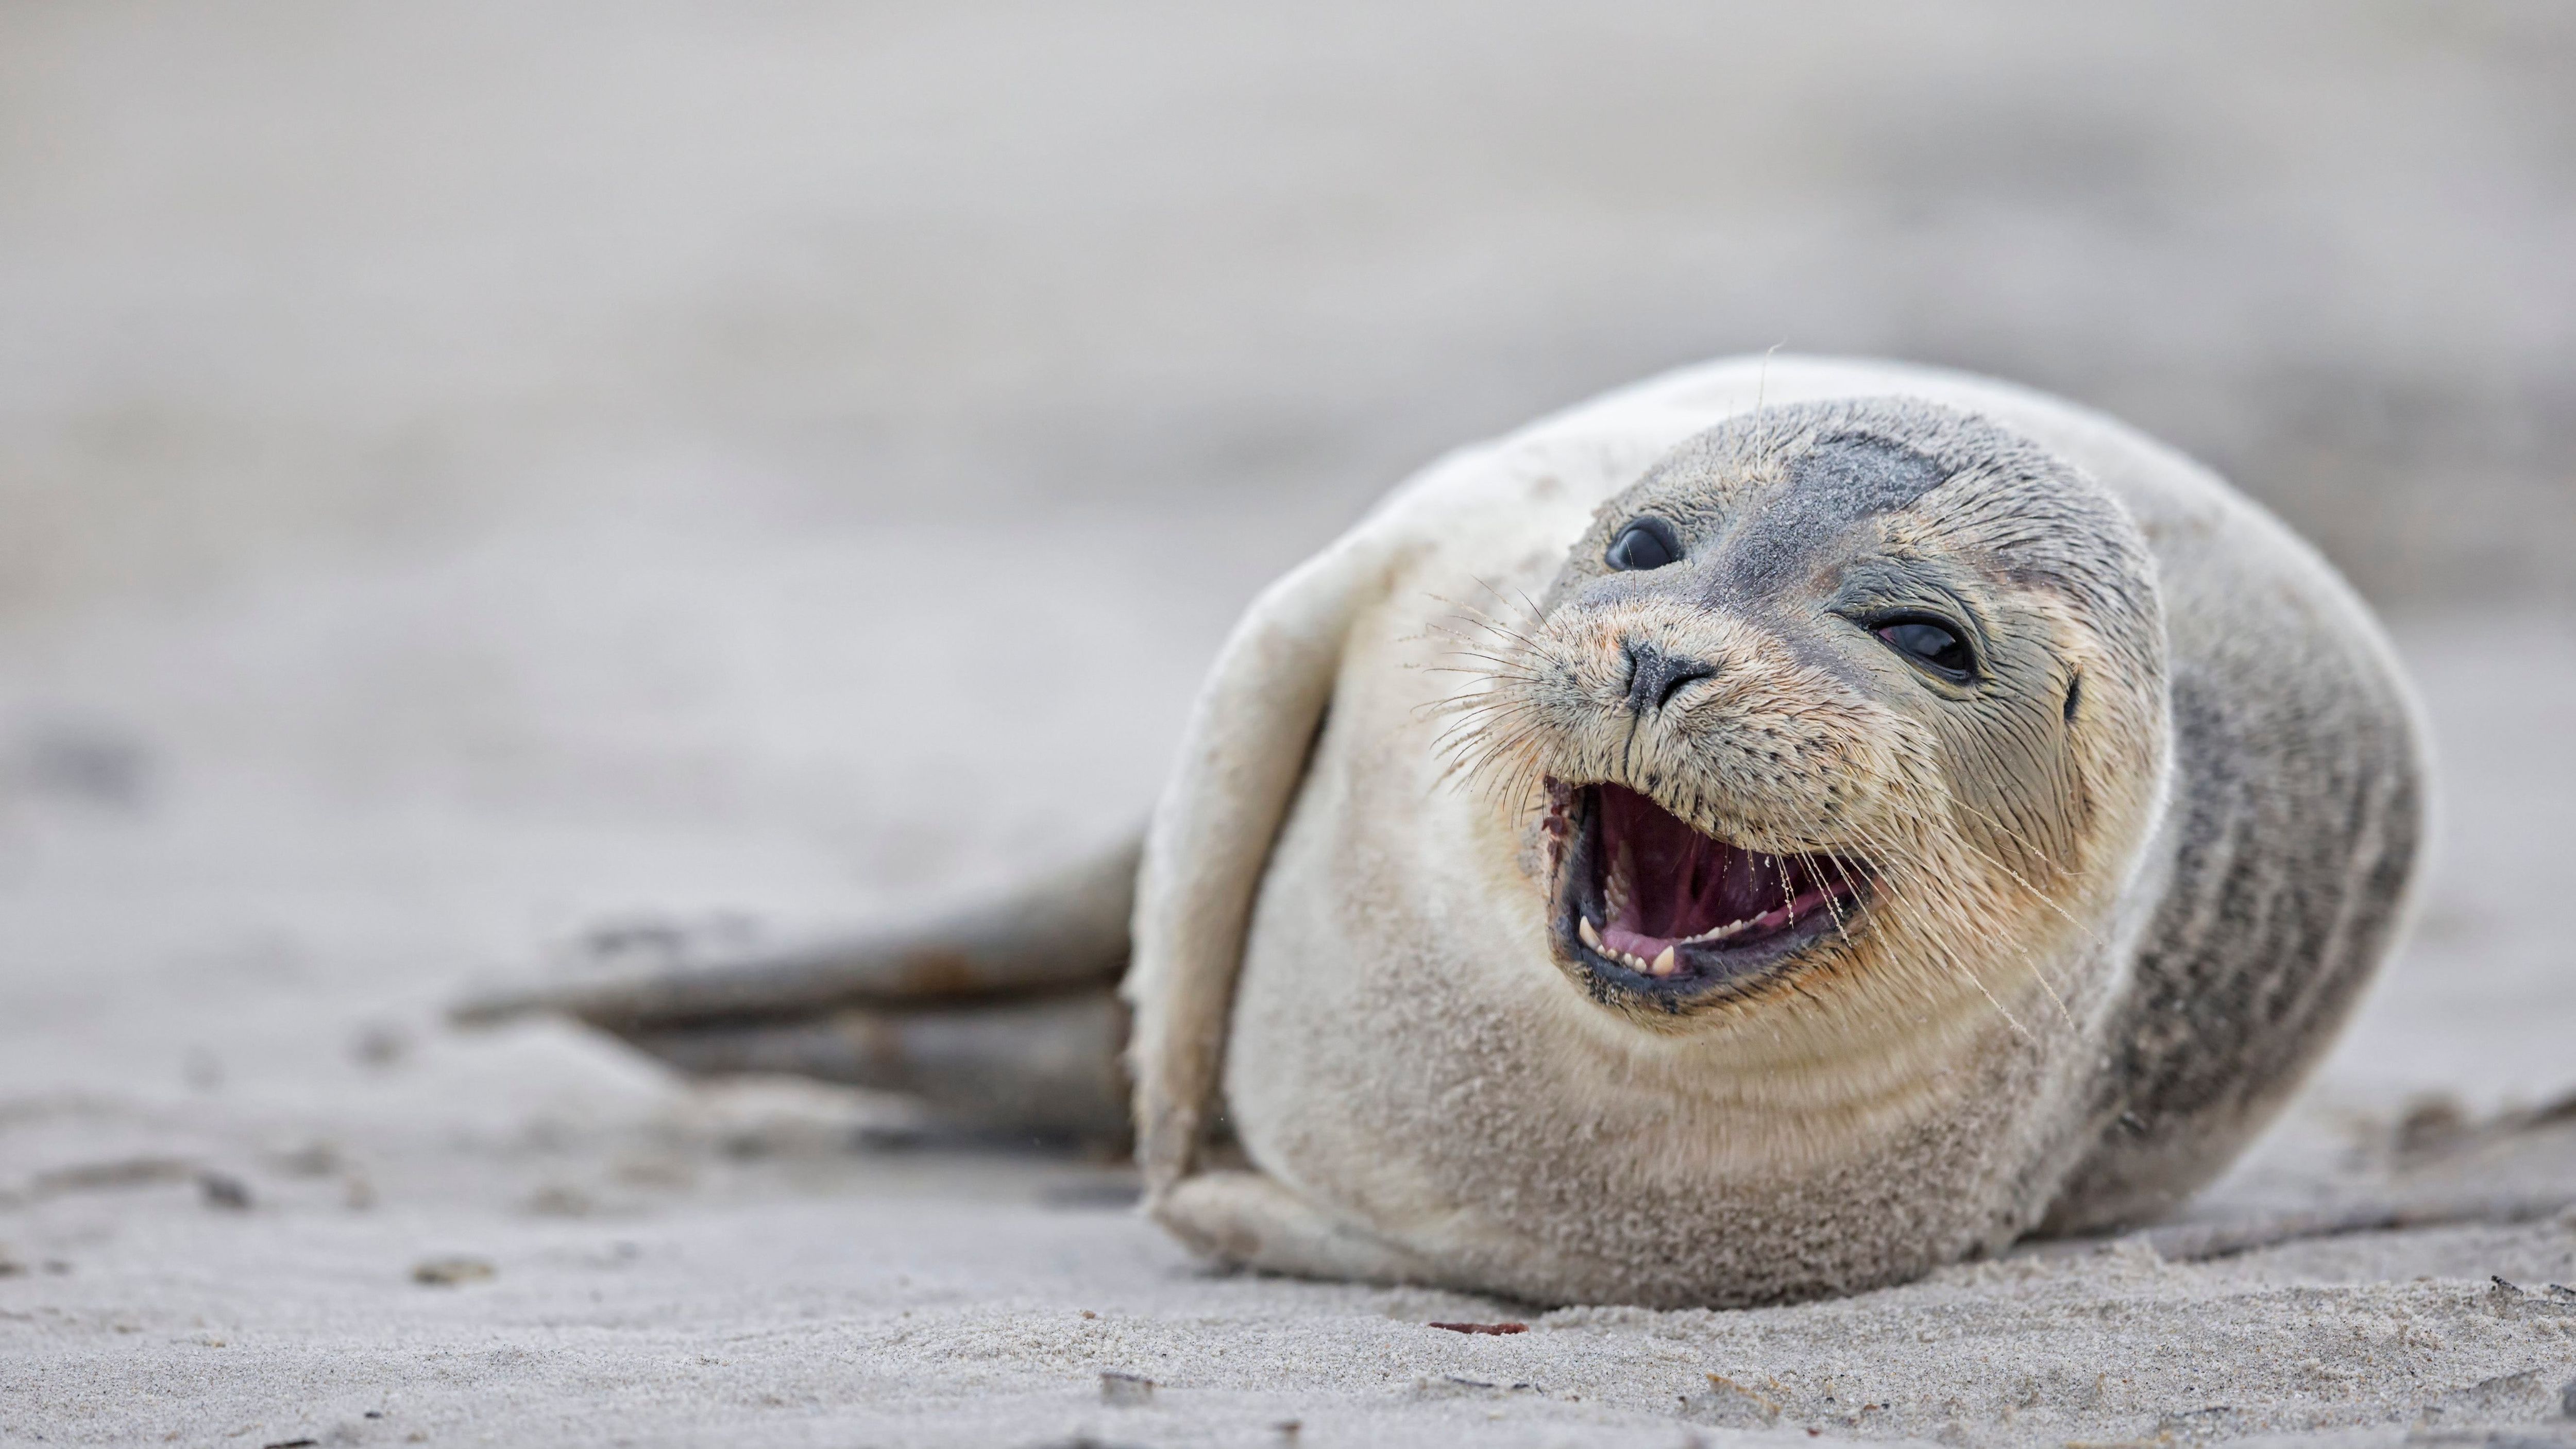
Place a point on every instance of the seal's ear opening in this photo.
(2074, 696)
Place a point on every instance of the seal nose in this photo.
(1654, 676)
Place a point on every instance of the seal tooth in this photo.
(1719, 933)
(1583, 928)
(1664, 963)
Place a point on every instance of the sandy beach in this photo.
(238, 1136)
(471, 479)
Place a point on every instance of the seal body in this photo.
(1767, 832)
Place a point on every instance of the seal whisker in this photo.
(1532, 609)
(1473, 702)
(1475, 759)
(1487, 585)
(1850, 887)
(1465, 725)
(2043, 897)
(2020, 949)
(1485, 751)
(1497, 661)
(1477, 618)
(1492, 662)
(1514, 673)
(2017, 837)
(1916, 894)
(1480, 631)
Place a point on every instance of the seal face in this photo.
(1809, 696)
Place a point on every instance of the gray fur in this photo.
(2297, 821)
(1843, 477)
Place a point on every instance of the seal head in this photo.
(1845, 690)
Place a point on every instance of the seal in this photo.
(1907, 812)
(1765, 833)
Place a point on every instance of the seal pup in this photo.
(1883, 812)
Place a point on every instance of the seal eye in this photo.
(1931, 643)
(1647, 543)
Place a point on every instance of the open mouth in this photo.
(1645, 901)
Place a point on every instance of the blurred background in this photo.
(471, 470)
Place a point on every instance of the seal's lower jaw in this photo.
(1647, 906)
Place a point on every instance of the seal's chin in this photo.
(1646, 904)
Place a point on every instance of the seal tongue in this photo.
(1664, 882)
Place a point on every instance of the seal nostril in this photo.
(1654, 677)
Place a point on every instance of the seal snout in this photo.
(1655, 676)
(1645, 901)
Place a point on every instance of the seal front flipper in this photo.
(1249, 1217)
(1045, 1066)
(1242, 759)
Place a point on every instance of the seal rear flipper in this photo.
(998, 1016)
(1065, 931)
(1045, 1066)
